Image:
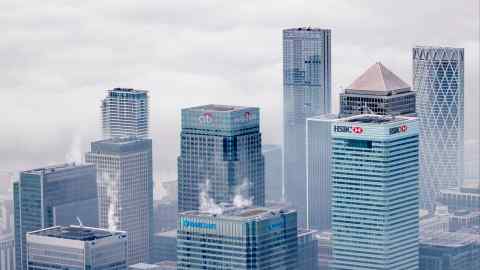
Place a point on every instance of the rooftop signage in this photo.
(400, 129)
(348, 129)
(199, 225)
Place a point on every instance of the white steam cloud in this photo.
(75, 152)
(240, 199)
(208, 204)
(112, 197)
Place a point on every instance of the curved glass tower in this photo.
(438, 81)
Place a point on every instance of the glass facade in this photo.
(306, 93)
(397, 104)
(248, 238)
(438, 75)
(375, 193)
(221, 153)
(319, 171)
(42, 194)
(273, 172)
(125, 191)
(77, 248)
(125, 112)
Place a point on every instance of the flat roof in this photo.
(448, 239)
(73, 232)
(57, 168)
(307, 28)
(243, 214)
(217, 108)
(170, 233)
(127, 90)
(374, 119)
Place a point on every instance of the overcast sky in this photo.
(59, 57)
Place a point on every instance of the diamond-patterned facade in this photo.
(438, 75)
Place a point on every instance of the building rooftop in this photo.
(378, 80)
(57, 168)
(217, 108)
(308, 29)
(144, 266)
(243, 214)
(374, 119)
(128, 91)
(170, 233)
(167, 265)
(448, 239)
(79, 233)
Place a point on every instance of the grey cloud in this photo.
(58, 57)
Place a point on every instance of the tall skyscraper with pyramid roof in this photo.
(438, 74)
(379, 91)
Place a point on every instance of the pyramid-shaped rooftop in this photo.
(378, 80)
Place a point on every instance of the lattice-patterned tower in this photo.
(438, 81)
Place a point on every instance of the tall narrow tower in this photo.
(125, 190)
(375, 193)
(125, 113)
(306, 93)
(221, 156)
(438, 81)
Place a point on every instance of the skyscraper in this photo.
(438, 81)
(77, 247)
(375, 193)
(239, 238)
(378, 91)
(307, 258)
(319, 171)
(221, 156)
(49, 196)
(125, 113)
(125, 190)
(7, 252)
(273, 172)
(306, 93)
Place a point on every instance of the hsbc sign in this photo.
(348, 129)
(400, 129)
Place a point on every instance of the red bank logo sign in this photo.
(206, 118)
(400, 129)
(348, 129)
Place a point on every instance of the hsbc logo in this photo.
(348, 129)
(357, 130)
(206, 118)
(400, 129)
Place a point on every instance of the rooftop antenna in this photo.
(79, 221)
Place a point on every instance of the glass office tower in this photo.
(125, 191)
(438, 80)
(375, 193)
(51, 196)
(306, 93)
(319, 171)
(77, 247)
(273, 172)
(239, 238)
(221, 155)
(125, 113)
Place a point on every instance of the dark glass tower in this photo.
(50, 196)
(221, 156)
